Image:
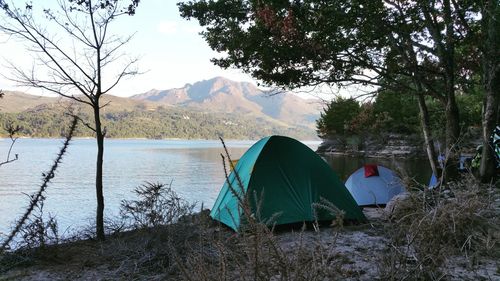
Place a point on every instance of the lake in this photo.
(193, 167)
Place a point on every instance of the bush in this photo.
(430, 227)
(157, 204)
(337, 117)
(39, 231)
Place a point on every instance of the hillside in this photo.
(206, 110)
(19, 101)
(16, 102)
(126, 118)
(223, 95)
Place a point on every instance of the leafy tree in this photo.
(337, 117)
(74, 49)
(292, 43)
(424, 48)
(397, 113)
(470, 105)
(490, 57)
(389, 113)
(364, 123)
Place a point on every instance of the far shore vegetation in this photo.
(391, 113)
(162, 123)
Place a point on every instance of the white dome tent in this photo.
(374, 185)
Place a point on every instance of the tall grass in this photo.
(430, 228)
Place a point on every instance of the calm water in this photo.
(194, 168)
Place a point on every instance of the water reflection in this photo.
(193, 167)
(418, 169)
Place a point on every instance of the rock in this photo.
(389, 145)
(393, 204)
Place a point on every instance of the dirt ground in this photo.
(353, 253)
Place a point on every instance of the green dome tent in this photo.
(285, 177)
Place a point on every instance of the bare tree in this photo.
(75, 55)
(11, 131)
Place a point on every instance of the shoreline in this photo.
(123, 255)
(367, 155)
(173, 139)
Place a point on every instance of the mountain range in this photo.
(223, 100)
(226, 96)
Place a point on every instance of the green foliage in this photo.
(337, 117)
(291, 43)
(363, 120)
(297, 43)
(392, 113)
(161, 123)
(397, 113)
(471, 104)
(411, 47)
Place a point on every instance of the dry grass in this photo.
(432, 228)
(145, 253)
(261, 254)
(197, 248)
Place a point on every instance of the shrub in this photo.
(157, 204)
(39, 231)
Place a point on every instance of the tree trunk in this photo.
(452, 113)
(491, 82)
(429, 142)
(488, 163)
(98, 177)
(444, 39)
(411, 58)
(452, 137)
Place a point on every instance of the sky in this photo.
(171, 52)
(170, 49)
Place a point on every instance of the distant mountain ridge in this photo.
(234, 109)
(223, 95)
(14, 101)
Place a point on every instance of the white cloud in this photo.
(173, 27)
(192, 28)
(168, 27)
